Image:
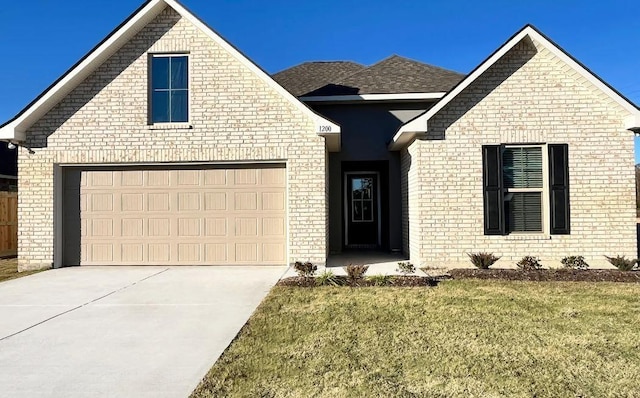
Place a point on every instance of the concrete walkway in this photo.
(122, 331)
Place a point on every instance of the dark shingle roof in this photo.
(392, 75)
(310, 76)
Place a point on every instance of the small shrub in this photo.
(482, 260)
(306, 270)
(574, 262)
(380, 279)
(529, 263)
(622, 263)
(406, 268)
(355, 272)
(327, 278)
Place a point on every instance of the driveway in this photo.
(122, 331)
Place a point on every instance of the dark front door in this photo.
(362, 218)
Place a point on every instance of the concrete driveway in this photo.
(122, 331)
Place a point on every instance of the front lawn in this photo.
(466, 338)
(9, 270)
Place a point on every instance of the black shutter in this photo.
(493, 193)
(559, 188)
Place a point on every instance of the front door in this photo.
(362, 216)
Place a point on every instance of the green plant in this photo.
(406, 268)
(327, 278)
(622, 263)
(355, 272)
(574, 262)
(482, 260)
(529, 263)
(306, 269)
(380, 279)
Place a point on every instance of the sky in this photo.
(43, 38)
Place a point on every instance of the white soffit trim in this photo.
(373, 97)
(419, 124)
(16, 128)
(632, 122)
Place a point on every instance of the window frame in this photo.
(544, 191)
(150, 89)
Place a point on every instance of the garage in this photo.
(205, 215)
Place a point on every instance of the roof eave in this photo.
(407, 133)
(426, 96)
(632, 122)
(9, 133)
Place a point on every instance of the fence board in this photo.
(8, 223)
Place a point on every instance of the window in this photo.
(524, 186)
(526, 189)
(169, 89)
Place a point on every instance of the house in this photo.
(166, 145)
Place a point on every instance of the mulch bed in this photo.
(565, 275)
(396, 281)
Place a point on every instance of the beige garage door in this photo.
(209, 216)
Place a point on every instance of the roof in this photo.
(393, 75)
(15, 129)
(419, 124)
(309, 76)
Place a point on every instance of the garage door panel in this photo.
(215, 177)
(216, 227)
(131, 178)
(245, 201)
(273, 252)
(132, 252)
(215, 201)
(183, 216)
(131, 202)
(245, 177)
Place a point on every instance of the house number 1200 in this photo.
(325, 129)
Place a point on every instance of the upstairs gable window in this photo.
(169, 89)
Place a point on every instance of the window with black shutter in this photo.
(526, 189)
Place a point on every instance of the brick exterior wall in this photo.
(235, 116)
(529, 96)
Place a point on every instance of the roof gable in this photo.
(419, 124)
(15, 129)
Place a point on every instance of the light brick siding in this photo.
(411, 203)
(235, 117)
(529, 96)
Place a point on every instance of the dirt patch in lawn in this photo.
(395, 281)
(566, 275)
(9, 269)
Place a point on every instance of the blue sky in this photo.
(43, 38)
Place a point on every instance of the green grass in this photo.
(462, 339)
(9, 270)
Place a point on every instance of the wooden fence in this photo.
(8, 224)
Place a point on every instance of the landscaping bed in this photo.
(562, 275)
(395, 281)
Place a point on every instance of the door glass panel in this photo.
(366, 211)
(357, 210)
(362, 199)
